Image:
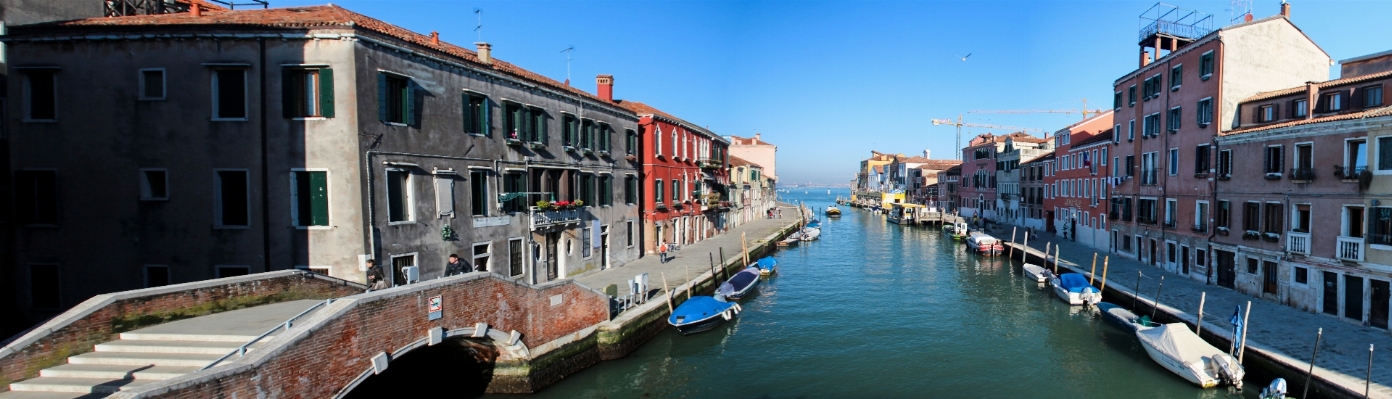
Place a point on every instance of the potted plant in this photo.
(512, 139)
(1222, 231)
(1250, 235)
(561, 205)
(577, 204)
(543, 205)
(1271, 237)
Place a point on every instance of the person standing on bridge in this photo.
(375, 279)
(455, 266)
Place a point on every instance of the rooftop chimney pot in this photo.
(435, 38)
(485, 52)
(1247, 18)
(605, 87)
(1285, 9)
(195, 10)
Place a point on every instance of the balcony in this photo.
(1273, 175)
(1302, 174)
(1145, 220)
(1297, 242)
(543, 218)
(708, 163)
(1149, 177)
(1171, 224)
(1201, 227)
(1350, 248)
(1349, 173)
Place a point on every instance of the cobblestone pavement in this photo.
(692, 259)
(1287, 331)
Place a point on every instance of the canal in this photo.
(875, 309)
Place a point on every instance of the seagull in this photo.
(964, 58)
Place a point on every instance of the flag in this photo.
(1087, 163)
(1236, 321)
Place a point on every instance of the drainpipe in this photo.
(369, 222)
(265, 169)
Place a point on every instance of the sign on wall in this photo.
(435, 305)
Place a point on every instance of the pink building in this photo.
(976, 196)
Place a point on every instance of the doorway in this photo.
(1049, 221)
(1269, 284)
(1378, 316)
(553, 240)
(1153, 261)
(604, 247)
(1184, 260)
(1353, 297)
(1170, 256)
(1331, 293)
(1227, 269)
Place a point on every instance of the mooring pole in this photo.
(1103, 290)
(1198, 326)
(1137, 290)
(1369, 381)
(722, 262)
(1024, 252)
(1012, 244)
(712, 263)
(1243, 351)
(667, 291)
(1155, 304)
(689, 281)
(1310, 373)
(1092, 276)
(744, 245)
(1056, 259)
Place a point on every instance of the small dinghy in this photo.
(1074, 289)
(701, 313)
(959, 231)
(1123, 318)
(1179, 350)
(833, 212)
(984, 244)
(811, 233)
(1037, 273)
(739, 284)
(767, 265)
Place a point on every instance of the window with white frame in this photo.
(400, 202)
(483, 252)
(152, 84)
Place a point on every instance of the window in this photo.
(606, 190)
(1372, 96)
(1176, 76)
(1252, 265)
(1304, 168)
(587, 189)
(44, 286)
(308, 92)
(233, 204)
(1204, 112)
(538, 128)
(40, 94)
(1145, 209)
(399, 263)
(1333, 101)
(1116, 135)
(1131, 130)
(476, 114)
(1224, 164)
(514, 121)
(630, 190)
(587, 134)
(36, 196)
(232, 271)
(1273, 159)
(1206, 65)
(515, 257)
(631, 140)
(1131, 95)
(1116, 101)
(676, 191)
(309, 198)
(657, 192)
(657, 143)
(156, 276)
(1300, 220)
(229, 94)
(1201, 159)
(152, 84)
(1355, 158)
(515, 182)
(478, 192)
(1251, 216)
(399, 198)
(1173, 163)
(1170, 212)
(395, 99)
(630, 232)
(154, 185)
(1302, 275)
(1223, 215)
(604, 132)
(1173, 121)
(1150, 126)
(444, 193)
(1130, 165)
(1266, 113)
(1301, 108)
(1273, 221)
(482, 253)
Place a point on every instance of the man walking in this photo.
(662, 252)
(455, 266)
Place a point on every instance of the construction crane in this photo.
(1085, 111)
(959, 124)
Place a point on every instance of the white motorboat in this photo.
(1075, 289)
(984, 244)
(1179, 350)
(1037, 273)
(811, 233)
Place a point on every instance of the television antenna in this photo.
(567, 51)
(479, 28)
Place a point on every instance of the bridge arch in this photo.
(483, 341)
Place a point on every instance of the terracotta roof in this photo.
(939, 164)
(1318, 85)
(737, 140)
(913, 159)
(1368, 113)
(297, 18)
(1048, 156)
(644, 109)
(878, 169)
(737, 161)
(1106, 135)
(955, 169)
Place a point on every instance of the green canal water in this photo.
(879, 310)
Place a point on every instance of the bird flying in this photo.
(964, 58)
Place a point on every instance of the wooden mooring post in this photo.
(1092, 276)
(1198, 325)
(1311, 372)
(1103, 290)
(668, 292)
(1012, 243)
(1243, 351)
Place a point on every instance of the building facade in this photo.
(1011, 175)
(1032, 190)
(685, 170)
(752, 193)
(977, 195)
(756, 150)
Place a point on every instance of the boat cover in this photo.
(811, 234)
(1074, 282)
(740, 282)
(767, 262)
(696, 309)
(814, 224)
(1176, 341)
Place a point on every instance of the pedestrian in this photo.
(455, 266)
(662, 252)
(376, 280)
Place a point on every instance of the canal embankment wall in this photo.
(1259, 359)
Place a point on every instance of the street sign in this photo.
(436, 307)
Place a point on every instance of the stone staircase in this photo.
(154, 354)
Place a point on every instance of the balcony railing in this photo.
(1171, 224)
(1145, 220)
(1148, 177)
(1350, 248)
(709, 163)
(1298, 243)
(1345, 172)
(1302, 174)
(1201, 227)
(542, 218)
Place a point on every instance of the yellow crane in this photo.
(1085, 111)
(959, 124)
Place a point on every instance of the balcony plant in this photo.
(1251, 235)
(631, 157)
(1222, 231)
(512, 139)
(1271, 237)
(543, 205)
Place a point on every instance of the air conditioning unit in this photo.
(412, 274)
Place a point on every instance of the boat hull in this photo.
(1118, 316)
(700, 326)
(1037, 273)
(1179, 368)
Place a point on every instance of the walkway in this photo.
(692, 259)
(1275, 327)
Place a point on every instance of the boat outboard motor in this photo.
(1229, 372)
(1277, 389)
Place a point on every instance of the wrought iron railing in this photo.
(542, 218)
(1302, 174)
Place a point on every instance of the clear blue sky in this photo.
(829, 81)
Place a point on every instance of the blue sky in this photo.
(829, 81)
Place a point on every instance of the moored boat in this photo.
(1123, 318)
(959, 231)
(1179, 350)
(833, 212)
(767, 265)
(701, 313)
(811, 233)
(1036, 272)
(1074, 289)
(984, 244)
(739, 284)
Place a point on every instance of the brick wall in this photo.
(336, 345)
(103, 317)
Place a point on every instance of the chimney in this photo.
(925, 153)
(195, 10)
(756, 136)
(435, 38)
(1285, 9)
(1247, 18)
(1145, 57)
(485, 52)
(605, 87)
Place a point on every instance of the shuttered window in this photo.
(476, 114)
(310, 198)
(395, 99)
(308, 92)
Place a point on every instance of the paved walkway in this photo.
(1275, 327)
(692, 259)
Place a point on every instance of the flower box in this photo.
(536, 145)
(1271, 237)
(1250, 235)
(512, 141)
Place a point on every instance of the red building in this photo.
(684, 176)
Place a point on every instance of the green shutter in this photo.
(382, 97)
(545, 128)
(326, 92)
(409, 103)
(464, 105)
(318, 198)
(287, 88)
(487, 112)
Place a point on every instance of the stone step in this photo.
(75, 385)
(49, 395)
(138, 359)
(116, 371)
(239, 339)
(160, 346)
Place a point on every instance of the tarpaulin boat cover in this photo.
(739, 281)
(766, 262)
(1074, 282)
(1176, 341)
(697, 308)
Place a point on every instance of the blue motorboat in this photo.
(701, 313)
(1121, 317)
(739, 284)
(1075, 289)
(814, 224)
(767, 265)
